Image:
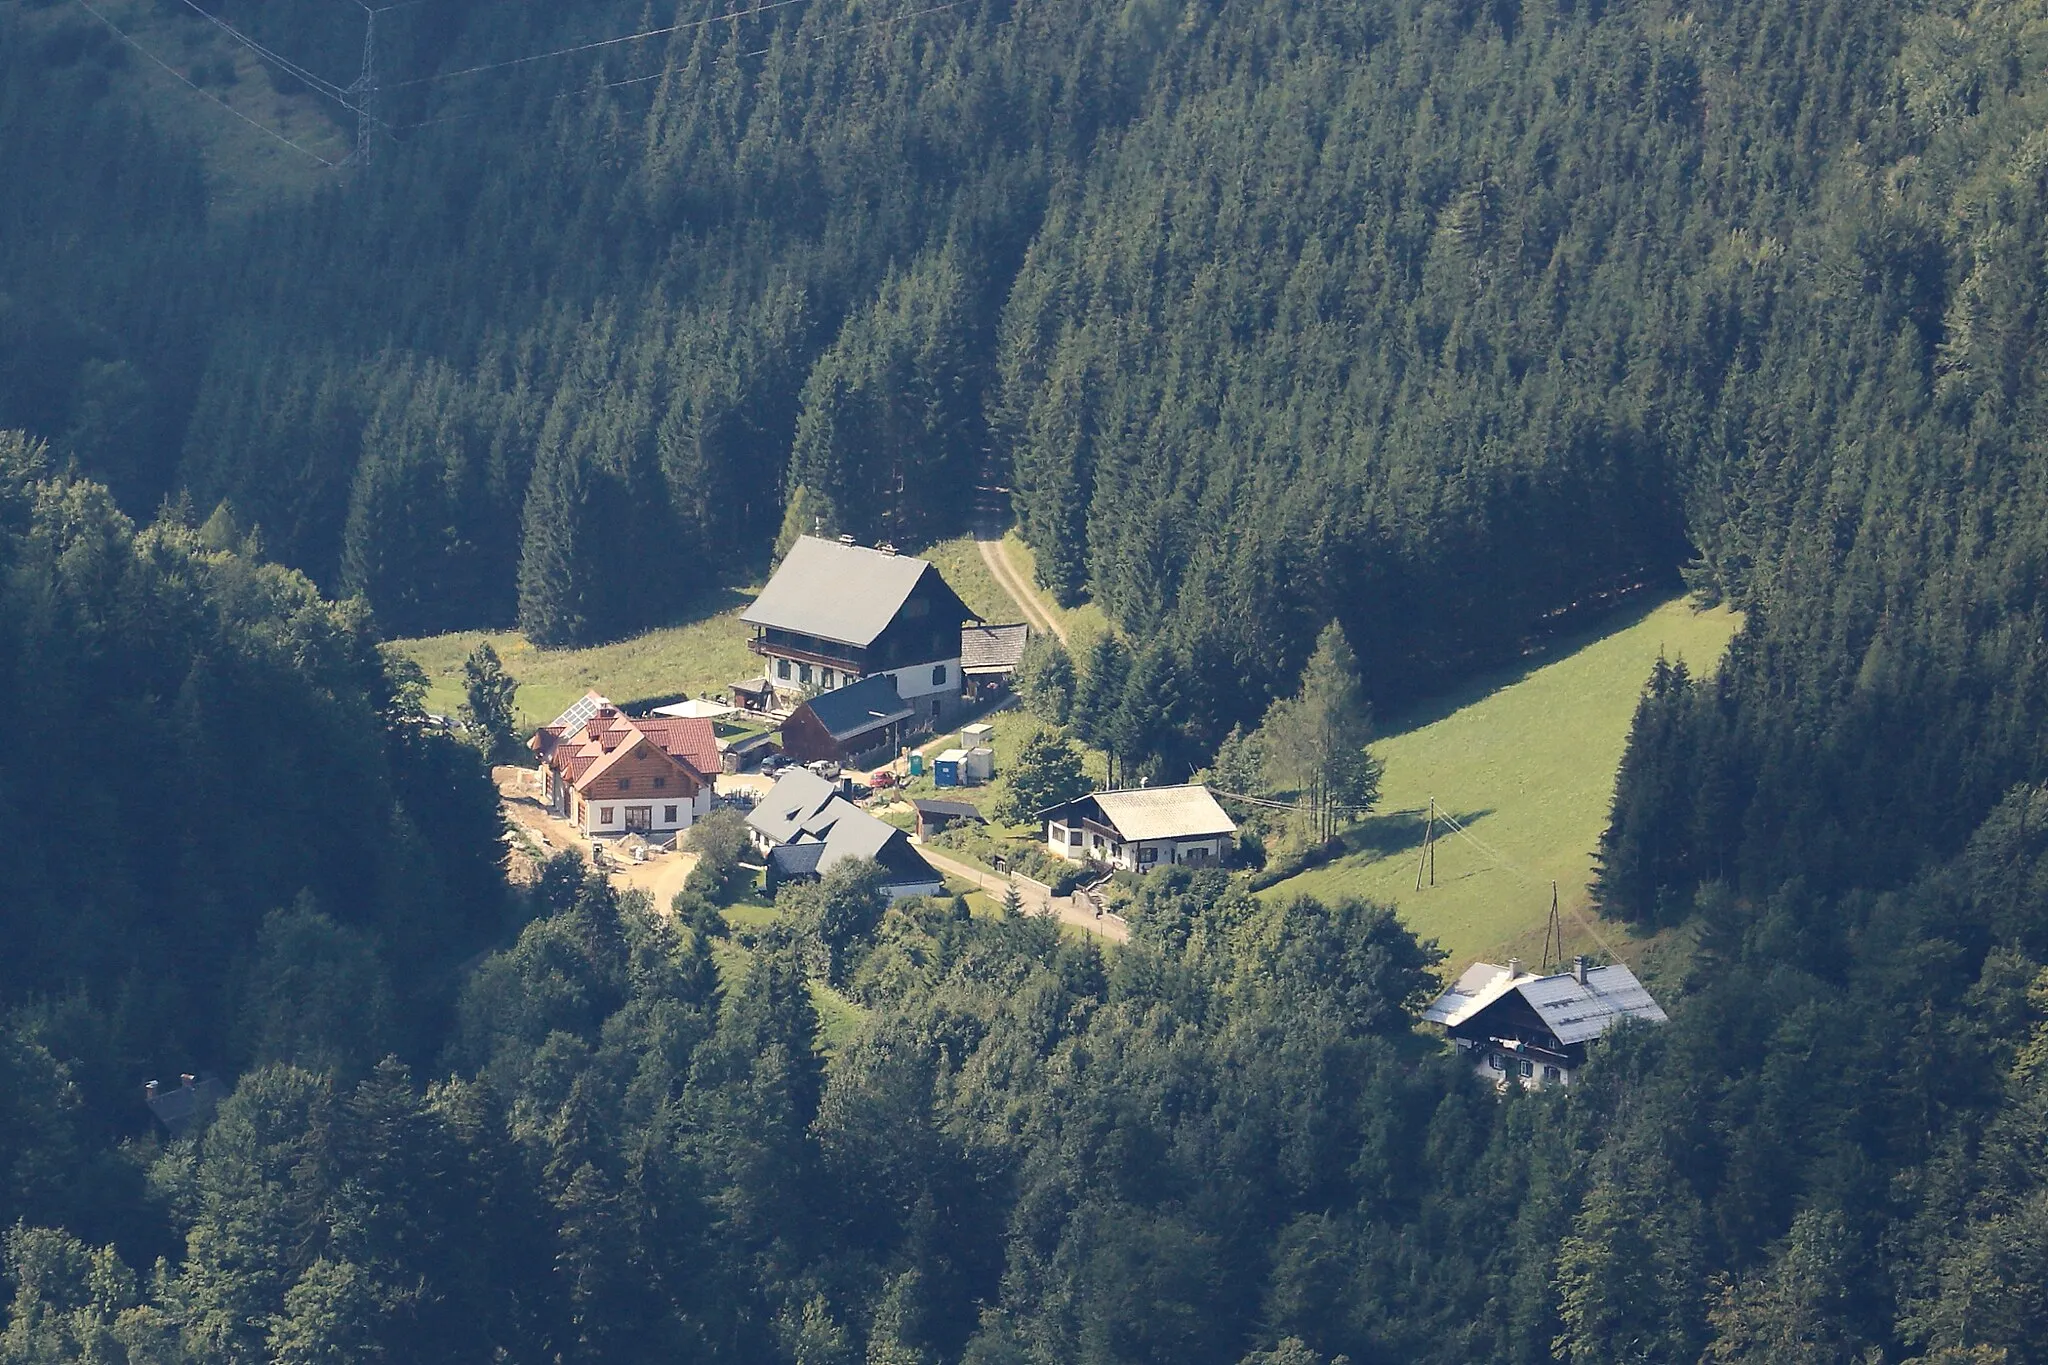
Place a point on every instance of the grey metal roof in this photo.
(840, 830)
(844, 593)
(795, 798)
(860, 707)
(992, 649)
(1574, 1013)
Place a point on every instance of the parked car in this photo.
(883, 780)
(774, 764)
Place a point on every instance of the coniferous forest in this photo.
(1451, 321)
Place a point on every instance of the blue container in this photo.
(945, 773)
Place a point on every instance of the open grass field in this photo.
(702, 655)
(1526, 762)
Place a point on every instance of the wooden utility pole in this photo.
(1428, 863)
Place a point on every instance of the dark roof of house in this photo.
(795, 860)
(1572, 1011)
(859, 707)
(795, 798)
(992, 649)
(844, 593)
(948, 810)
(177, 1108)
(839, 830)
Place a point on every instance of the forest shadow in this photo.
(1538, 651)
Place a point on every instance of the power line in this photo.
(182, 79)
(324, 87)
(857, 28)
(602, 43)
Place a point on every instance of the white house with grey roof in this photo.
(806, 829)
(835, 613)
(1142, 828)
(1533, 1029)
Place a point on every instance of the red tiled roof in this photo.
(690, 742)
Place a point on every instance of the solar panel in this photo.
(579, 712)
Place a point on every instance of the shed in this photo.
(933, 816)
(848, 725)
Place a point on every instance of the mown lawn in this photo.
(1526, 762)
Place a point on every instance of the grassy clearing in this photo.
(1526, 761)
(246, 168)
(1083, 623)
(703, 655)
(964, 568)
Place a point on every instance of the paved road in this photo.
(1035, 901)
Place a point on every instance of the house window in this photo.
(935, 706)
(1551, 1075)
(625, 784)
(826, 677)
(668, 815)
(939, 676)
(1148, 854)
(660, 782)
(1496, 1061)
(604, 815)
(1528, 1069)
(782, 669)
(803, 674)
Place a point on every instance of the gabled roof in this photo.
(605, 736)
(992, 649)
(860, 707)
(831, 831)
(1574, 1013)
(844, 593)
(799, 794)
(1183, 812)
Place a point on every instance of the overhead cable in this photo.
(186, 81)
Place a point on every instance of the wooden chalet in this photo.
(1533, 1030)
(837, 613)
(607, 773)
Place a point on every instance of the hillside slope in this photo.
(1526, 763)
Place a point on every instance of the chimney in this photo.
(187, 1079)
(1514, 968)
(149, 1092)
(886, 547)
(1579, 969)
(848, 540)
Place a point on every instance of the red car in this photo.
(882, 780)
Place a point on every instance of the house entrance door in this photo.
(639, 818)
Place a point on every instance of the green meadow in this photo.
(1524, 762)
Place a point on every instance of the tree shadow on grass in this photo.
(1378, 837)
(1536, 653)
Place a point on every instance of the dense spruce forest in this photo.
(1448, 320)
